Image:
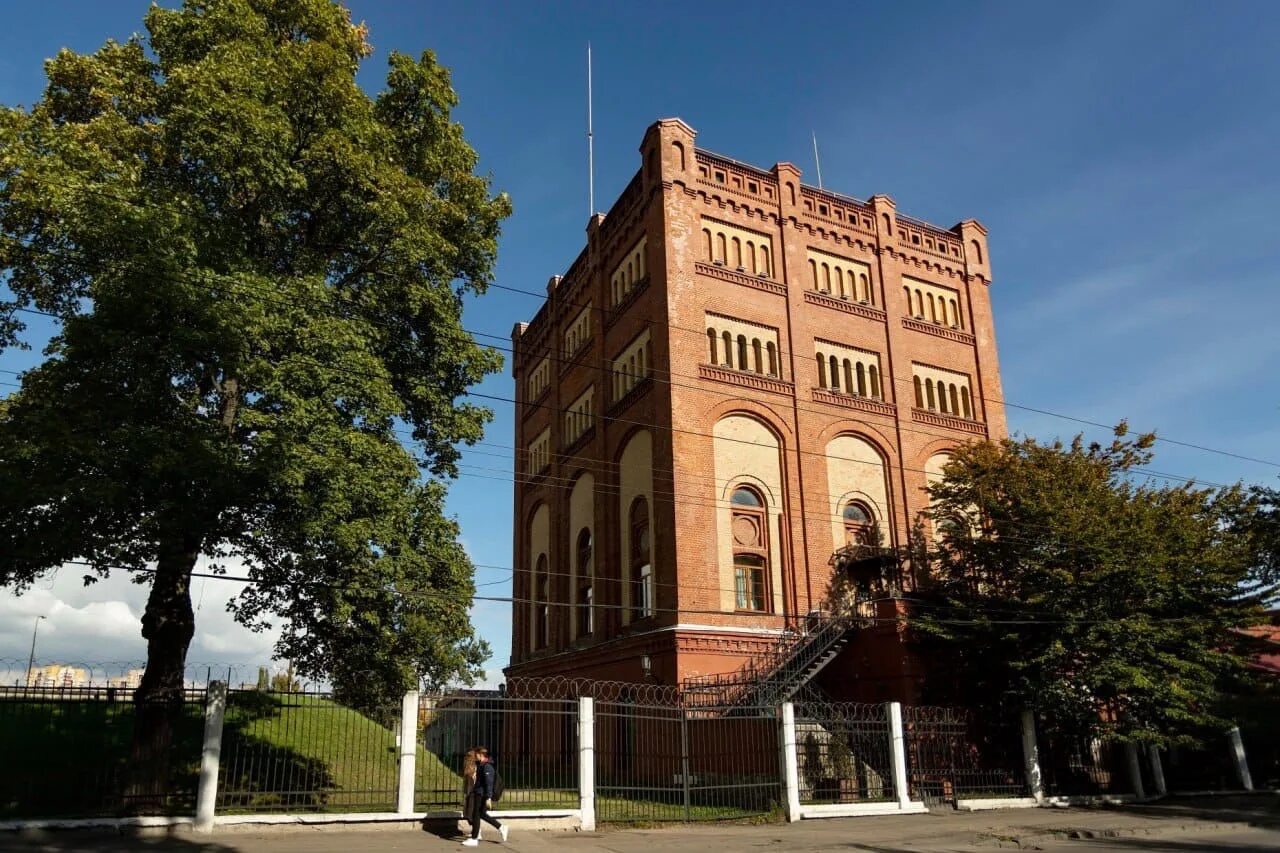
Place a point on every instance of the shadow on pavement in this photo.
(1262, 809)
(1196, 844)
(65, 841)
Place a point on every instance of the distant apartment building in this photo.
(739, 376)
(58, 675)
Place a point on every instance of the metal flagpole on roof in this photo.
(817, 164)
(591, 154)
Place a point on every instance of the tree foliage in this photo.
(1064, 582)
(259, 273)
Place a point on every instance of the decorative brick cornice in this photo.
(851, 401)
(938, 329)
(746, 379)
(948, 421)
(746, 279)
(846, 305)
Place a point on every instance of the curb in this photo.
(1029, 840)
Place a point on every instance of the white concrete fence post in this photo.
(1031, 756)
(408, 753)
(587, 761)
(1237, 753)
(215, 709)
(1157, 770)
(1135, 770)
(790, 762)
(898, 754)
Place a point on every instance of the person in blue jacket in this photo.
(480, 777)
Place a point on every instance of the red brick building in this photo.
(737, 376)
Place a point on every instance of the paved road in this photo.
(1244, 841)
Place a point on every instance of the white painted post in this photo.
(1157, 770)
(587, 761)
(790, 762)
(408, 752)
(898, 754)
(1237, 752)
(215, 708)
(1031, 756)
(1135, 771)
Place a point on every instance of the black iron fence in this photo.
(306, 752)
(662, 762)
(844, 753)
(1079, 765)
(84, 752)
(954, 754)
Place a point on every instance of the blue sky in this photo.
(1123, 157)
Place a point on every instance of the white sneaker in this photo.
(471, 842)
(504, 832)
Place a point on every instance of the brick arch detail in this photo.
(774, 421)
(881, 442)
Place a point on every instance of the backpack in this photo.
(498, 787)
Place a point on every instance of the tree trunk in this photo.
(168, 625)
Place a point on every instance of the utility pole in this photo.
(32, 659)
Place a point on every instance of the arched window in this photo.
(928, 390)
(751, 257)
(822, 371)
(757, 351)
(919, 305)
(541, 603)
(942, 310)
(640, 262)
(977, 250)
(706, 244)
(586, 574)
(955, 315)
(813, 272)
(728, 349)
(942, 397)
(722, 249)
(826, 278)
(857, 523)
(964, 401)
(955, 400)
(642, 598)
(866, 289)
(862, 381)
(677, 154)
(750, 532)
(888, 228)
(907, 291)
(743, 364)
(737, 253)
(848, 377)
(840, 283)
(835, 373)
(711, 342)
(933, 309)
(875, 381)
(764, 260)
(919, 393)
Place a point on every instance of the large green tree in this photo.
(1065, 581)
(258, 272)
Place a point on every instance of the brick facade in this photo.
(698, 247)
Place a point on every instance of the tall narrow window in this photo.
(857, 523)
(758, 353)
(642, 597)
(907, 291)
(541, 603)
(711, 342)
(866, 289)
(840, 283)
(964, 401)
(875, 381)
(586, 620)
(751, 257)
(822, 371)
(862, 380)
(849, 387)
(933, 309)
(722, 249)
(743, 364)
(764, 260)
(919, 304)
(706, 245)
(728, 349)
(750, 550)
(737, 253)
(928, 390)
(835, 373)
(813, 272)
(773, 358)
(826, 278)
(955, 314)
(915, 380)
(749, 581)
(942, 397)
(955, 400)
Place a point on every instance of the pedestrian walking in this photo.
(481, 786)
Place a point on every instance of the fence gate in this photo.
(843, 753)
(673, 763)
(953, 754)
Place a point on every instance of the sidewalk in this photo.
(937, 832)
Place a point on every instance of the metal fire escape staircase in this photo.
(770, 679)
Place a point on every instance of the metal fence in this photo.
(1207, 768)
(663, 762)
(72, 752)
(954, 754)
(305, 752)
(533, 743)
(1081, 765)
(844, 753)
